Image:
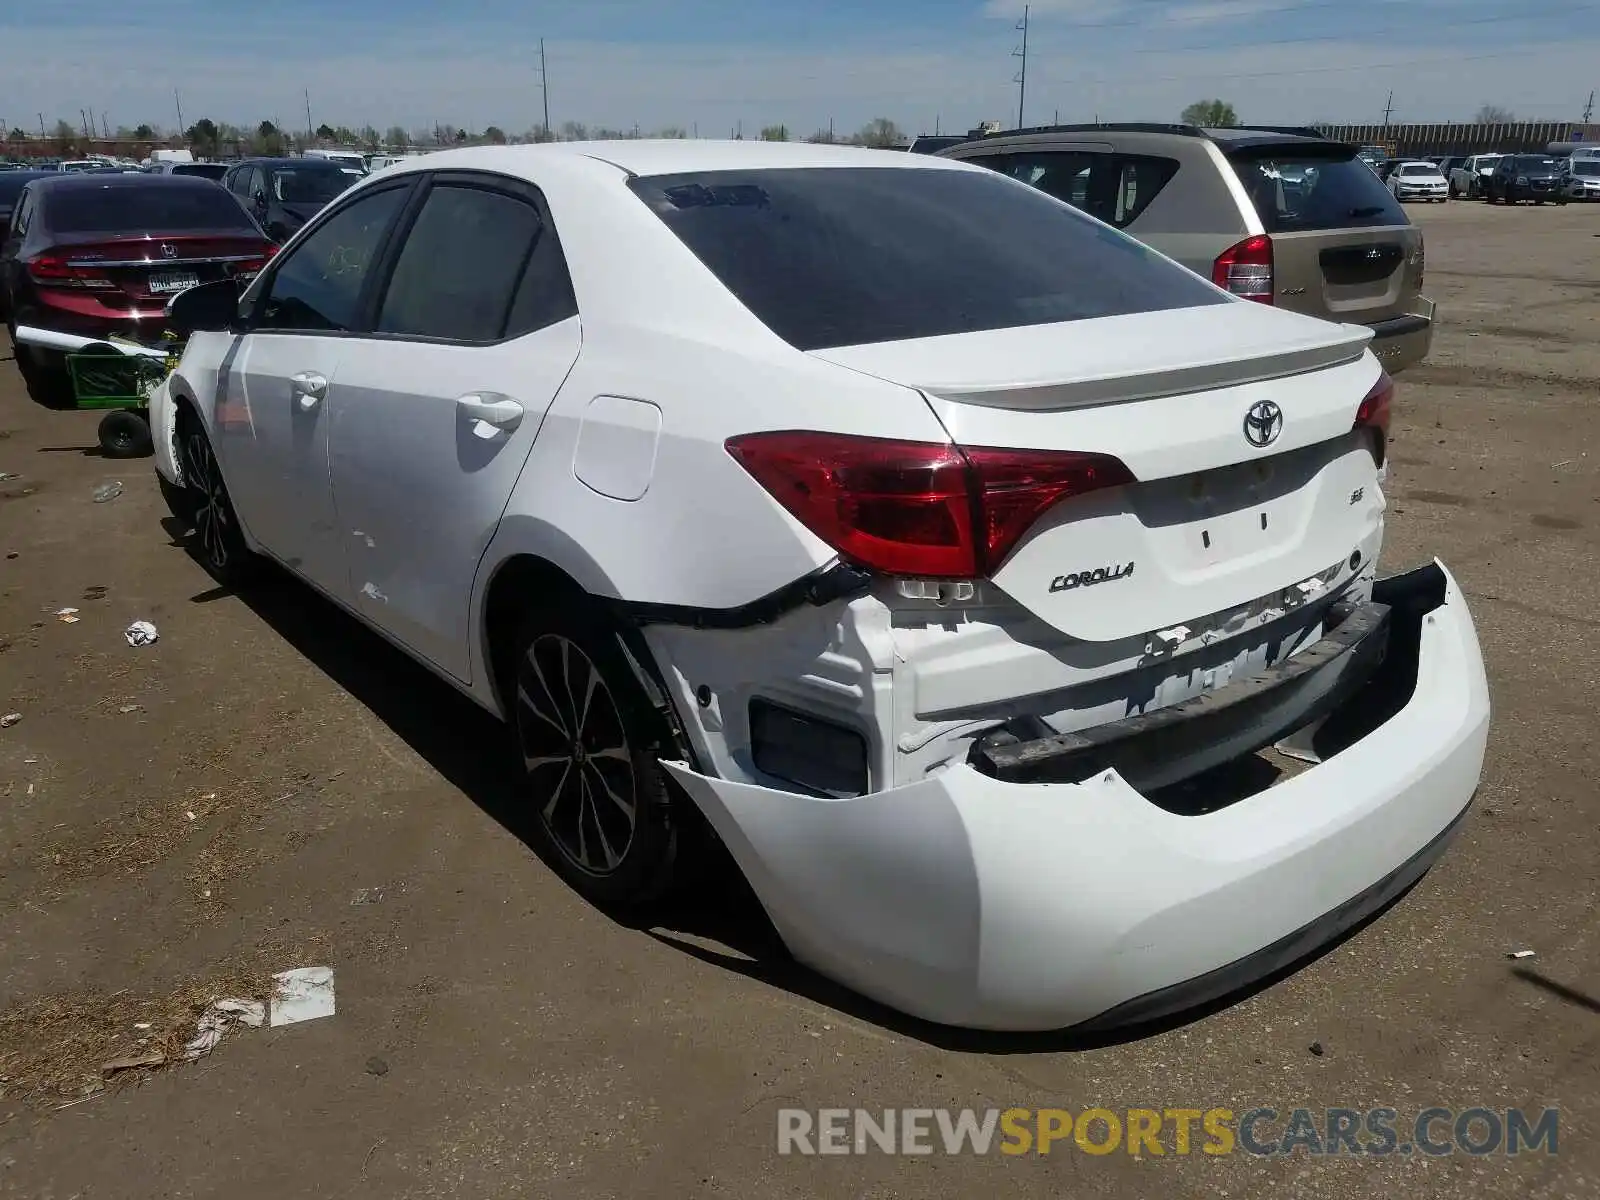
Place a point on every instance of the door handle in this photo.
(309, 387)
(495, 413)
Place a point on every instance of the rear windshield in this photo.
(1293, 190)
(204, 170)
(845, 256)
(115, 209)
(309, 185)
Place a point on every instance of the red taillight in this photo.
(50, 268)
(54, 270)
(1374, 415)
(1245, 269)
(918, 508)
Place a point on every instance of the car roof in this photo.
(670, 156)
(85, 181)
(284, 161)
(1229, 137)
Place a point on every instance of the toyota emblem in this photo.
(1263, 423)
(168, 250)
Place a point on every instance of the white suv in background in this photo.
(945, 550)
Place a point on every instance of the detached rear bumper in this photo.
(1026, 906)
(1404, 341)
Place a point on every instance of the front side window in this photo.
(457, 274)
(318, 285)
(844, 256)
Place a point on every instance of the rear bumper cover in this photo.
(1404, 341)
(971, 901)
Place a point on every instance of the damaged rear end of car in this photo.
(996, 763)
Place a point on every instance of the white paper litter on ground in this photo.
(217, 1017)
(303, 994)
(10, 719)
(141, 633)
(1520, 954)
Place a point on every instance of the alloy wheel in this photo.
(213, 518)
(575, 747)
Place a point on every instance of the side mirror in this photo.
(209, 308)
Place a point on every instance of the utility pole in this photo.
(105, 125)
(544, 87)
(830, 131)
(1588, 109)
(309, 134)
(178, 100)
(1388, 110)
(1021, 79)
(42, 133)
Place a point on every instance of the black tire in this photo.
(125, 434)
(217, 541)
(601, 809)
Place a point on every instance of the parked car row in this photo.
(1512, 178)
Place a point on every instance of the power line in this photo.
(544, 87)
(1021, 79)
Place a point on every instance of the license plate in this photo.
(164, 285)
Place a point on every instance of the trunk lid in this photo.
(1214, 520)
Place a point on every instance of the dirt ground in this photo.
(269, 786)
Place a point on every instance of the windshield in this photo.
(1293, 189)
(844, 256)
(1535, 162)
(142, 208)
(308, 185)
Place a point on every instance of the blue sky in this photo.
(719, 63)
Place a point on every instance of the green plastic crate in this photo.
(112, 380)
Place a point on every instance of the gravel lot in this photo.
(179, 820)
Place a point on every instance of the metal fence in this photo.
(1464, 138)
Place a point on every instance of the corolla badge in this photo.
(1065, 583)
(1263, 423)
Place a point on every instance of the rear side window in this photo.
(1293, 190)
(845, 256)
(119, 209)
(458, 272)
(320, 282)
(1115, 188)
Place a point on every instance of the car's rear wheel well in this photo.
(522, 582)
(526, 582)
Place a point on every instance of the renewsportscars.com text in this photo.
(1259, 1131)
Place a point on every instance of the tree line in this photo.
(209, 138)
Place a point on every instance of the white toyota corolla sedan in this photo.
(956, 557)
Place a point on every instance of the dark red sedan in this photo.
(96, 255)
